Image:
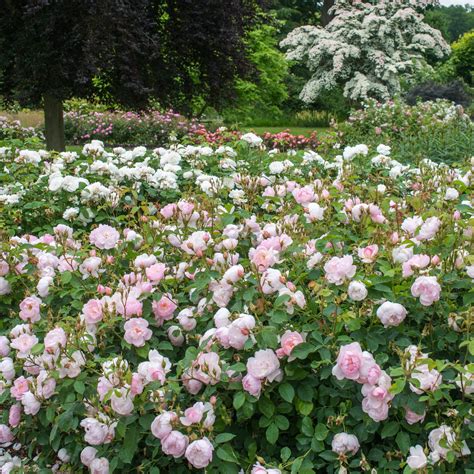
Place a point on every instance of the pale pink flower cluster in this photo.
(263, 367)
(354, 364)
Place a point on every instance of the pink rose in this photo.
(175, 444)
(349, 362)
(411, 417)
(252, 385)
(99, 466)
(339, 269)
(368, 254)
(23, 344)
(4, 346)
(290, 340)
(415, 263)
(304, 195)
(95, 432)
(264, 364)
(54, 339)
(164, 308)
(88, 454)
(199, 453)
(427, 289)
(168, 210)
(344, 443)
(193, 414)
(162, 426)
(104, 237)
(14, 415)
(137, 332)
(30, 309)
(155, 273)
(92, 311)
(391, 314)
(6, 436)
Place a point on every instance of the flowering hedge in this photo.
(126, 128)
(12, 130)
(228, 309)
(438, 130)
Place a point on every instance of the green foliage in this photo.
(452, 21)
(436, 130)
(264, 96)
(463, 57)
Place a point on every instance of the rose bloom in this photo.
(88, 455)
(164, 308)
(349, 362)
(368, 254)
(411, 417)
(357, 291)
(54, 339)
(338, 269)
(92, 311)
(344, 443)
(252, 385)
(30, 309)
(199, 453)
(391, 314)
(137, 332)
(14, 416)
(104, 237)
(155, 273)
(264, 364)
(6, 436)
(161, 426)
(175, 444)
(289, 340)
(427, 289)
(259, 469)
(19, 388)
(23, 344)
(304, 195)
(99, 466)
(417, 459)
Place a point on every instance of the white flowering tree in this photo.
(366, 48)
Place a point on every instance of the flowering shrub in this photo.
(281, 141)
(224, 308)
(366, 48)
(126, 128)
(12, 130)
(438, 130)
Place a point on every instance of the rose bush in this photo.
(232, 310)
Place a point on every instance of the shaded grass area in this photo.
(27, 118)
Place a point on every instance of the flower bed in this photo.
(226, 308)
(127, 128)
(438, 130)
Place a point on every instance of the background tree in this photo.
(452, 21)
(365, 48)
(54, 49)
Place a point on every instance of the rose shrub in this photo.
(228, 309)
(438, 130)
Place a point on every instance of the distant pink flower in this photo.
(427, 289)
(290, 340)
(368, 254)
(92, 312)
(137, 332)
(30, 309)
(164, 308)
(339, 269)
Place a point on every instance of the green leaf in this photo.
(272, 433)
(321, 432)
(285, 454)
(301, 351)
(390, 429)
(403, 441)
(266, 406)
(287, 392)
(130, 444)
(66, 277)
(224, 437)
(226, 453)
(239, 400)
(79, 387)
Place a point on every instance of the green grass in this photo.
(306, 131)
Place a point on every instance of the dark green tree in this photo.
(170, 50)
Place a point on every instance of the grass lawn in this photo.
(307, 131)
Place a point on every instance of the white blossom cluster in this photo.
(366, 48)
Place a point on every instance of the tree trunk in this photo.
(54, 123)
(326, 17)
